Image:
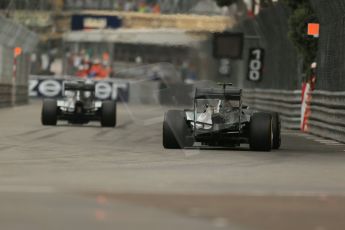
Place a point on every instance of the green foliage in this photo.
(302, 14)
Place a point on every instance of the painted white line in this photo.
(329, 141)
(153, 121)
(336, 144)
(191, 153)
(26, 189)
(310, 137)
(319, 140)
(220, 222)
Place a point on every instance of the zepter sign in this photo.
(45, 88)
(104, 90)
(50, 88)
(53, 88)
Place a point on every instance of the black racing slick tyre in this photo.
(108, 114)
(276, 129)
(261, 138)
(176, 132)
(49, 112)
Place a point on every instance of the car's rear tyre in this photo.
(261, 138)
(176, 133)
(49, 112)
(276, 128)
(108, 114)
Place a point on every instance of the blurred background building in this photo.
(117, 34)
(174, 31)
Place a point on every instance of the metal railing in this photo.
(327, 115)
(327, 110)
(287, 103)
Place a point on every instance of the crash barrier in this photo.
(50, 87)
(287, 103)
(5, 95)
(327, 110)
(21, 94)
(327, 115)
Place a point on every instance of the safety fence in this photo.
(331, 51)
(268, 31)
(16, 45)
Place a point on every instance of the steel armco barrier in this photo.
(287, 103)
(327, 115)
(327, 110)
(5, 95)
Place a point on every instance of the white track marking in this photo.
(337, 144)
(220, 222)
(329, 142)
(153, 121)
(26, 189)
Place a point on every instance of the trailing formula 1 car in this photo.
(79, 106)
(220, 119)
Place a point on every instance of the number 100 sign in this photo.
(256, 64)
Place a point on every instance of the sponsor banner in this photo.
(53, 88)
(95, 22)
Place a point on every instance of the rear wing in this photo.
(225, 94)
(79, 86)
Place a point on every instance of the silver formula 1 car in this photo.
(220, 119)
(79, 106)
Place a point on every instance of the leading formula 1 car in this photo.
(79, 106)
(220, 119)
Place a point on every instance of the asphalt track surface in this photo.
(87, 177)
